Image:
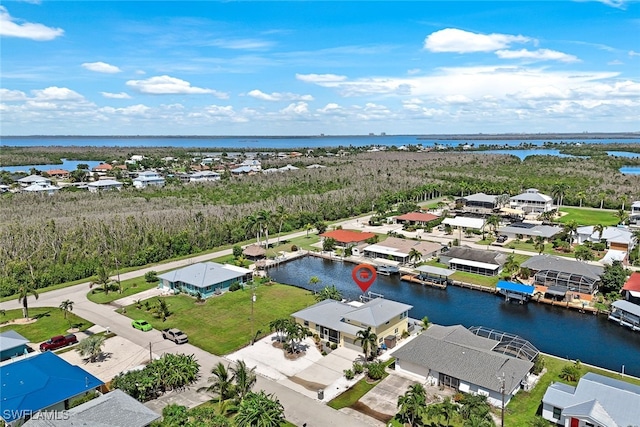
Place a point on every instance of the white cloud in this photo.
(166, 85)
(277, 96)
(299, 108)
(121, 95)
(55, 93)
(12, 95)
(11, 27)
(320, 78)
(132, 110)
(414, 71)
(618, 4)
(455, 99)
(240, 44)
(101, 67)
(331, 108)
(634, 53)
(537, 55)
(615, 62)
(460, 41)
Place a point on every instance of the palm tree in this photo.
(511, 266)
(622, 216)
(253, 226)
(538, 244)
(103, 279)
(161, 309)
(260, 409)
(279, 326)
(368, 341)
(602, 196)
(91, 346)
(570, 227)
(493, 222)
(244, 379)
(308, 228)
(23, 291)
(66, 306)
(624, 199)
(599, 228)
(295, 332)
(415, 256)
(329, 292)
(222, 384)
(263, 218)
(581, 195)
(282, 216)
(313, 281)
(558, 191)
(412, 405)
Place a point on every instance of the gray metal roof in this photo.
(377, 312)
(479, 255)
(457, 352)
(592, 410)
(114, 409)
(531, 196)
(545, 231)
(565, 265)
(619, 399)
(329, 313)
(627, 306)
(11, 339)
(204, 274)
(439, 271)
(480, 197)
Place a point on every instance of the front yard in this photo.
(50, 322)
(223, 324)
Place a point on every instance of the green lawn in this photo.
(51, 322)
(523, 408)
(130, 287)
(355, 393)
(589, 216)
(222, 324)
(548, 249)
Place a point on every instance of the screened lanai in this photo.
(568, 281)
(509, 344)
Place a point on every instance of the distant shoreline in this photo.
(442, 137)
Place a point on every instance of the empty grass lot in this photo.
(588, 216)
(51, 322)
(129, 287)
(222, 324)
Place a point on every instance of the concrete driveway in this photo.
(384, 396)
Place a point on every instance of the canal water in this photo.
(561, 332)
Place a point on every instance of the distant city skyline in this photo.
(307, 68)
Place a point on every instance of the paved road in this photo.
(299, 409)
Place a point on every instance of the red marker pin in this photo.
(364, 275)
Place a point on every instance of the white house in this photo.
(204, 176)
(532, 201)
(457, 358)
(33, 179)
(596, 401)
(42, 187)
(252, 163)
(104, 184)
(634, 217)
(148, 178)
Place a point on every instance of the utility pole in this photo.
(501, 379)
(150, 354)
(253, 300)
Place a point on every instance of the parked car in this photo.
(175, 335)
(57, 342)
(502, 238)
(143, 325)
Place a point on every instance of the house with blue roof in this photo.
(596, 400)
(43, 382)
(207, 278)
(12, 344)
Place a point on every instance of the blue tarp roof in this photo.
(37, 382)
(515, 287)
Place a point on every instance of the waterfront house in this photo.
(33, 179)
(103, 168)
(12, 344)
(478, 261)
(631, 289)
(479, 203)
(338, 322)
(207, 278)
(626, 314)
(41, 382)
(103, 185)
(147, 179)
(595, 401)
(562, 275)
(477, 363)
(619, 241)
(532, 201)
(398, 250)
(112, 409)
(59, 173)
(415, 218)
(42, 187)
(347, 238)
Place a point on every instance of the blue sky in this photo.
(305, 68)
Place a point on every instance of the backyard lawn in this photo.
(588, 216)
(51, 322)
(222, 324)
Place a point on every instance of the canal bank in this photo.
(567, 334)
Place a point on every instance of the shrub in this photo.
(538, 365)
(348, 374)
(358, 367)
(235, 286)
(294, 248)
(375, 370)
(334, 346)
(151, 276)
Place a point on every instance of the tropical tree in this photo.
(415, 256)
(493, 222)
(613, 277)
(511, 266)
(602, 196)
(161, 309)
(329, 292)
(308, 228)
(260, 409)
(538, 244)
(281, 216)
(598, 228)
(243, 378)
(295, 332)
(313, 281)
(264, 218)
(445, 410)
(571, 228)
(279, 326)
(583, 253)
(412, 405)
(622, 216)
(66, 306)
(475, 406)
(222, 383)
(558, 191)
(328, 244)
(91, 346)
(23, 291)
(581, 195)
(103, 280)
(624, 199)
(368, 341)
(425, 323)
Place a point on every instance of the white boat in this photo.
(387, 270)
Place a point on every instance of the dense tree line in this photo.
(69, 236)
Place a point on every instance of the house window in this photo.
(306, 323)
(588, 425)
(557, 413)
(395, 331)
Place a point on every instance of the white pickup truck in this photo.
(175, 335)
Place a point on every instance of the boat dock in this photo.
(415, 279)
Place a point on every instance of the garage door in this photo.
(348, 343)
